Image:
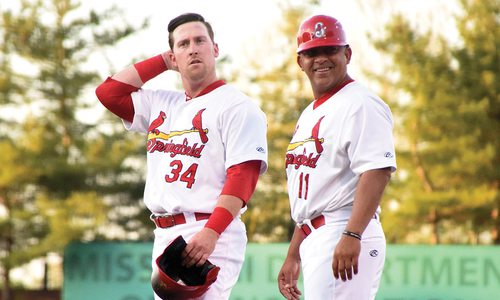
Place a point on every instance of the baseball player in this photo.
(338, 163)
(206, 147)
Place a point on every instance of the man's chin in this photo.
(322, 80)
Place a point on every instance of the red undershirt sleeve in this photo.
(241, 180)
(115, 95)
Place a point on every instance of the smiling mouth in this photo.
(323, 69)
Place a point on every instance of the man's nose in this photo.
(193, 49)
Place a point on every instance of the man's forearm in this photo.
(142, 71)
(297, 238)
(129, 76)
(369, 192)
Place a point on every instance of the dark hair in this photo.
(183, 19)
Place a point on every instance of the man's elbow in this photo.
(99, 92)
(383, 174)
(387, 173)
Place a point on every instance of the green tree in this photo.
(445, 96)
(63, 175)
(283, 92)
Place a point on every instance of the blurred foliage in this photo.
(62, 178)
(445, 97)
(283, 92)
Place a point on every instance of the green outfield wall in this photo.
(121, 271)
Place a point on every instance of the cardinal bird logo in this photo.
(154, 133)
(153, 127)
(314, 136)
(164, 142)
(197, 125)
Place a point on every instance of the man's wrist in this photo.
(219, 220)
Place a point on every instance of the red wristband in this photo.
(150, 67)
(219, 220)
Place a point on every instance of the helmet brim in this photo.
(320, 43)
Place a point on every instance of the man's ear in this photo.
(216, 50)
(171, 56)
(348, 54)
(299, 62)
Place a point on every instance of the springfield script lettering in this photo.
(302, 160)
(175, 149)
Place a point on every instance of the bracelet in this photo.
(352, 234)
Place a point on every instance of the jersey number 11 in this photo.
(303, 183)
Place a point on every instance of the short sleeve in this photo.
(244, 130)
(368, 136)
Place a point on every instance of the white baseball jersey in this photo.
(191, 144)
(332, 145)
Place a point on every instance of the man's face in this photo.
(194, 52)
(326, 67)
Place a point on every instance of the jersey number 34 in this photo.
(187, 176)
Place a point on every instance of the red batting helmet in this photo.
(320, 31)
(173, 281)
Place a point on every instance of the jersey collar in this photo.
(322, 99)
(207, 90)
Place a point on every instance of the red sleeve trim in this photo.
(115, 96)
(241, 180)
(151, 67)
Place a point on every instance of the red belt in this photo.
(166, 221)
(317, 223)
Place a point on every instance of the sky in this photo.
(243, 25)
(240, 24)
